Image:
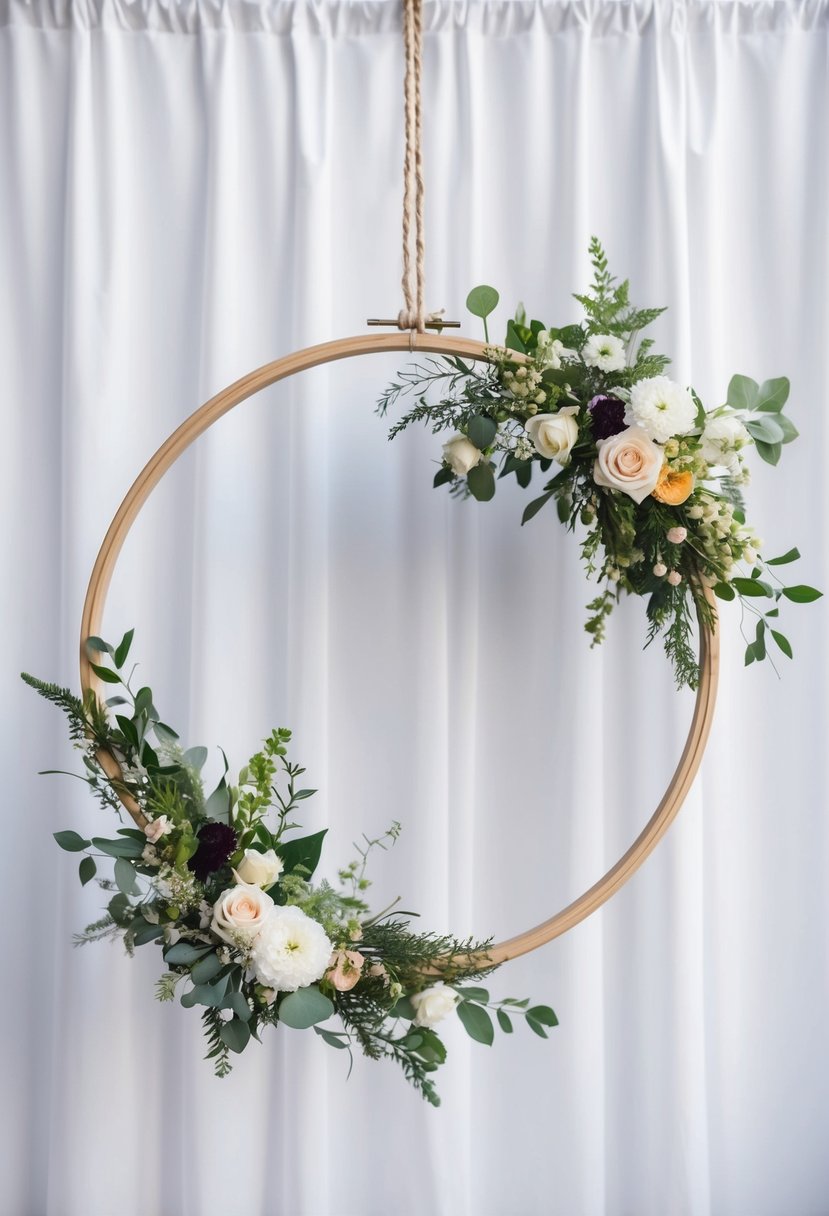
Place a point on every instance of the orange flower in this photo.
(673, 488)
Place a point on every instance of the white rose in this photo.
(554, 434)
(433, 1004)
(722, 438)
(241, 912)
(260, 869)
(461, 454)
(629, 461)
(291, 951)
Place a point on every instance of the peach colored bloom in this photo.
(344, 969)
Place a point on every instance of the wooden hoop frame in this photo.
(281, 369)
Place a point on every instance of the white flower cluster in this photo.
(525, 386)
(551, 352)
(178, 889)
(724, 540)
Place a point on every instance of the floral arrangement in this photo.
(652, 477)
(222, 885)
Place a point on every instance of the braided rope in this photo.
(412, 314)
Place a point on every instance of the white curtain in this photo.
(190, 189)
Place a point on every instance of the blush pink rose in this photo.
(630, 462)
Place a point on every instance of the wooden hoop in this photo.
(281, 369)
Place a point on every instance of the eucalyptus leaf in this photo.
(481, 481)
(196, 757)
(742, 393)
(304, 1008)
(481, 431)
(87, 870)
(724, 591)
(482, 301)
(770, 452)
(125, 877)
(104, 673)
(504, 1021)
(443, 476)
(480, 995)
(235, 1034)
(750, 587)
(71, 841)
(791, 556)
(123, 650)
(205, 969)
(535, 506)
(802, 594)
(476, 1022)
(125, 847)
(185, 952)
(93, 643)
(145, 932)
(403, 1008)
(332, 1039)
(765, 428)
(237, 1002)
(772, 395)
(790, 431)
(783, 642)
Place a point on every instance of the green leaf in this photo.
(770, 452)
(304, 1008)
(476, 1022)
(184, 952)
(474, 994)
(751, 587)
(504, 1021)
(700, 418)
(443, 476)
(217, 805)
(104, 673)
(760, 640)
(482, 430)
(791, 556)
(783, 642)
(802, 594)
(235, 1034)
(767, 429)
(742, 393)
(536, 1026)
(482, 301)
(535, 506)
(196, 757)
(750, 654)
(125, 877)
(304, 851)
(203, 971)
(71, 841)
(237, 1002)
(299, 795)
(145, 932)
(119, 909)
(543, 1014)
(332, 1039)
(98, 644)
(724, 591)
(87, 870)
(481, 481)
(125, 847)
(403, 1008)
(790, 431)
(165, 733)
(772, 395)
(513, 339)
(123, 648)
(212, 995)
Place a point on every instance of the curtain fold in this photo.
(188, 190)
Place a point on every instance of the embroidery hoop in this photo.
(282, 369)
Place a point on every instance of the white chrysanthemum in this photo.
(722, 439)
(604, 351)
(662, 408)
(290, 951)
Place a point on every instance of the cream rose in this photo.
(433, 1004)
(240, 913)
(629, 461)
(259, 869)
(554, 434)
(461, 454)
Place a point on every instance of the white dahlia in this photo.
(662, 408)
(290, 951)
(604, 351)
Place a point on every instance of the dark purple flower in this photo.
(608, 415)
(216, 843)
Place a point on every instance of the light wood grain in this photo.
(281, 369)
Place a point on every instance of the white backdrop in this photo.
(188, 190)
